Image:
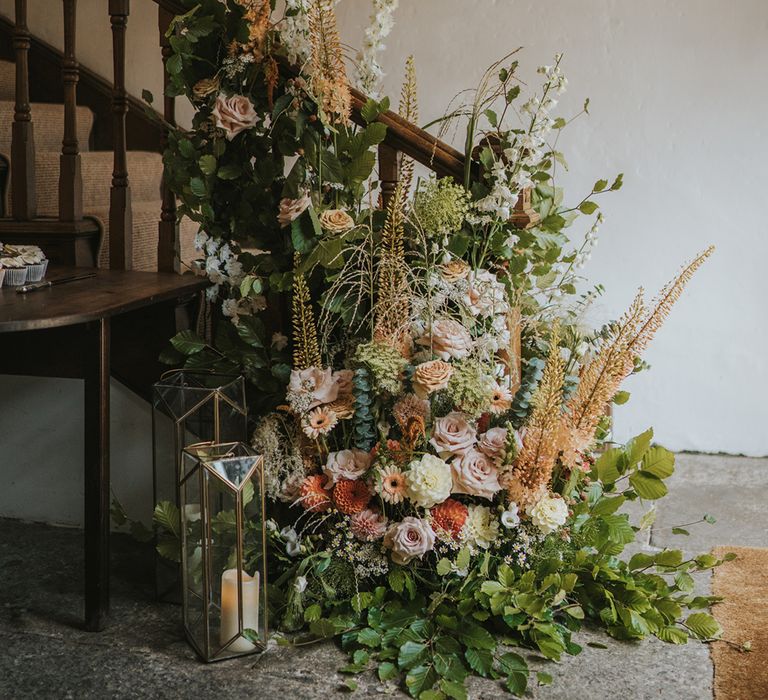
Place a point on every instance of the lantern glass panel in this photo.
(189, 407)
(223, 547)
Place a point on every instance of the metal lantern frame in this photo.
(220, 395)
(204, 456)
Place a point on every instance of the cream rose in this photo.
(234, 114)
(336, 220)
(315, 383)
(410, 539)
(452, 434)
(549, 513)
(475, 474)
(447, 339)
(429, 481)
(430, 377)
(291, 209)
(493, 443)
(346, 464)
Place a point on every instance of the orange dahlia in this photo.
(312, 494)
(449, 516)
(351, 496)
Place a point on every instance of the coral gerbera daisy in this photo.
(313, 495)
(392, 485)
(351, 496)
(449, 516)
(319, 421)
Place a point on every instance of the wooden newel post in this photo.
(23, 202)
(120, 216)
(168, 247)
(70, 176)
(389, 173)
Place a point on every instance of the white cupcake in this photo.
(15, 271)
(35, 260)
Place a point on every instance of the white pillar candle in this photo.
(229, 612)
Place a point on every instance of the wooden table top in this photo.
(109, 293)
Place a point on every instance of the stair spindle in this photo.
(168, 245)
(23, 204)
(389, 173)
(120, 215)
(70, 175)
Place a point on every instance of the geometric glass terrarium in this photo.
(223, 550)
(188, 407)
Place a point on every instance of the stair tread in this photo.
(48, 121)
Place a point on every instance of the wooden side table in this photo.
(114, 324)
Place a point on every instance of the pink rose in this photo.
(493, 443)
(316, 383)
(453, 434)
(447, 339)
(234, 114)
(346, 464)
(291, 209)
(368, 525)
(410, 539)
(475, 474)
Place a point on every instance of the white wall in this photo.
(678, 101)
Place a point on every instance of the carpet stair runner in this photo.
(145, 171)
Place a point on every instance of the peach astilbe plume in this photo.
(534, 464)
(306, 351)
(408, 110)
(392, 308)
(614, 361)
(328, 76)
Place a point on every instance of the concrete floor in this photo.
(45, 654)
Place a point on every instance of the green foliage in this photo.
(363, 421)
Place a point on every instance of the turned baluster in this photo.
(70, 176)
(120, 216)
(23, 203)
(168, 229)
(389, 173)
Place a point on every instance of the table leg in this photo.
(96, 374)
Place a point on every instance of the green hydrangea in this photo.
(440, 206)
(385, 364)
(470, 387)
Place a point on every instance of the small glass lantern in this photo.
(188, 407)
(223, 550)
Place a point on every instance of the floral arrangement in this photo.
(435, 419)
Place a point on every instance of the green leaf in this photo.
(659, 462)
(444, 567)
(411, 653)
(673, 635)
(704, 626)
(229, 172)
(543, 678)
(647, 485)
(453, 689)
(420, 679)
(387, 671)
(349, 685)
(638, 446)
(167, 516)
(607, 505)
(517, 683)
(207, 164)
(619, 181)
(476, 637)
(147, 96)
(174, 65)
(479, 660)
(600, 185)
(588, 207)
(711, 519)
(198, 188)
(323, 628)
(312, 613)
(188, 342)
(374, 134)
(669, 557)
(369, 637)
(640, 561)
(360, 168)
(621, 397)
(680, 531)
(607, 465)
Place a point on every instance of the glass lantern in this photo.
(223, 550)
(188, 407)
